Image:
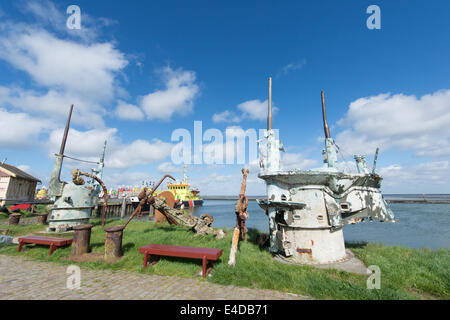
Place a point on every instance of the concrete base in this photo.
(349, 263)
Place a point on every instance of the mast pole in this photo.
(324, 116)
(269, 113)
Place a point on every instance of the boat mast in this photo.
(184, 175)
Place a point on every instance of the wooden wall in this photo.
(20, 190)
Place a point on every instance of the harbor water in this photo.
(418, 225)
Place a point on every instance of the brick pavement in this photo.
(21, 278)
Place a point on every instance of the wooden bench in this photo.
(206, 254)
(49, 241)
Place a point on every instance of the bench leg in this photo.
(52, 249)
(210, 268)
(205, 262)
(20, 246)
(145, 260)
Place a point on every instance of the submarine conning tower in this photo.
(73, 203)
(307, 209)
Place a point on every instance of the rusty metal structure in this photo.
(201, 225)
(73, 201)
(241, 216)
(307, 209)
(170, 201)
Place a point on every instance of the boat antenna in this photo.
(269, 113)
(324, 116)
(184, 175)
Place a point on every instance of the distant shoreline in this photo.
(391, 198)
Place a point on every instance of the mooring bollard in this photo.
(14, 218)
(113, 242)
(81, 239)
(42, 218)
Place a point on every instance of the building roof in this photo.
(15, 172)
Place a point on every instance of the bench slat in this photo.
(45, 240)
(181, 251)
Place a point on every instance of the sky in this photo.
(137, 71)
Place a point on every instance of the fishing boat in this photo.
(41, 194)
(185, 197)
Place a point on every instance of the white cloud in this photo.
(254, 109)
(139, 152)
(88, 145)
(85, 144)
(426, 177)
(88, 70)
(296, 161)
(47, 14)
(126, 178)
(24, 167)
(54, 105)
(398, 121)
(168, 167)
(128, 111)
(291, 67)
(226, 116)
(176, 98)
(19, 130)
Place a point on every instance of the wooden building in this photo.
(16, 186)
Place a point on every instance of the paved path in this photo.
(26, 279)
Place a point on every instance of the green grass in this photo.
(405, 273)
(26, 214)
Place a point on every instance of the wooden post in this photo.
(124, 207)
(241, 216)
(234, 247)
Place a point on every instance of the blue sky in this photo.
(137, 71)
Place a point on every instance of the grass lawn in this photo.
(405, 273)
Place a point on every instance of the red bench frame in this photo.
(206, 254)
(49, 241)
